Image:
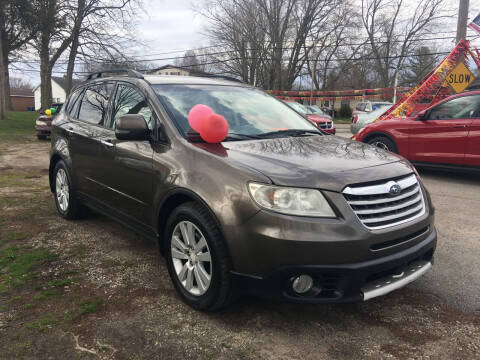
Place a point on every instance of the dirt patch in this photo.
(32, 155)
(92, 289)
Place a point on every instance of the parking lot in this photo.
(93, 289)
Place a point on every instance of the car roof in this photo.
(190, 80)
(171, 79)
(464, 93)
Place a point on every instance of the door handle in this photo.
(459, 126)
(107, 143)
(70, 131)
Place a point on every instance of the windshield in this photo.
(248, 111)
(376, 106)
(314, 109)
(302, 109)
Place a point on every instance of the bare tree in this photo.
(95, 25)
(419, 66)
(52, 40)
(266, 42)
(17, 28)
(98, 60)
(393, 33)
(19, 83)
(190, 60)
(340, 40)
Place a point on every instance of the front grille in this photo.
(377, 207)
(325, 125)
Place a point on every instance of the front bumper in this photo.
(43, 129)
(346, 282)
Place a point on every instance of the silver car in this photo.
(359, 121)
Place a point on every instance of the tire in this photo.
(383, 142)
(67, 205)
(42, 137)
(184, 266)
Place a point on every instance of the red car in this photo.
(323, 122)
(43, 124)
(446, 134)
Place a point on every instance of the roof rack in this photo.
(127, 72)
(225, 77)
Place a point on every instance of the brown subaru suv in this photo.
(278, 208)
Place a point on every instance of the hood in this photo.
(324, 162)
(317, 118)
(44, 118)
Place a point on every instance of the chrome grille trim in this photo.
(377, 208)
(325, 125)
(381, 188)
(380, 201)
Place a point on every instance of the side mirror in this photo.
(422, 115)
(131, 127)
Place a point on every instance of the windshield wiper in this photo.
(236, 136)
(289, 132)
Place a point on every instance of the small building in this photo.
(59, 84)
(22, 99)
(175, 70)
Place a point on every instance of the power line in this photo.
(229, 52)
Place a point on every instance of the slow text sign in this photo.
(459, 78)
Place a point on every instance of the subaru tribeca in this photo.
(278, 208)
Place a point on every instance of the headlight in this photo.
(40, 123)
(292, 201)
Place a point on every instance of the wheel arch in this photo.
(173, 199)
(379, 134)
(53, 162)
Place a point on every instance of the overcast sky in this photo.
(170, 25)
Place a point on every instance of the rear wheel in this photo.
(197, 258)
(383, 142)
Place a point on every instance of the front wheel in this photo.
(65, 200)
(197, 258)
(383, 142)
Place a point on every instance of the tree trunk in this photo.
(74, 45)
(6, 91)
(3, 67)
(71, 65)
(45, 76)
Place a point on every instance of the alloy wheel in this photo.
(381, 145)
(62, 189)
(191, 258)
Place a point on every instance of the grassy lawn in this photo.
(340, 120)
(19, 125)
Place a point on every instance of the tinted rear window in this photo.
(94, 105)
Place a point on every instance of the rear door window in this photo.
(129, 100)
(94, 105)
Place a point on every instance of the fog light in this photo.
(302, 284)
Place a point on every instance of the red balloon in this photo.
(214, 128)
(197, 114)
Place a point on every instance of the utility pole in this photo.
(311, 83)
(462, 20)
(395, 83)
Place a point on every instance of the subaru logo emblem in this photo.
(395, 189)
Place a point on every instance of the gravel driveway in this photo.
(93, 289)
